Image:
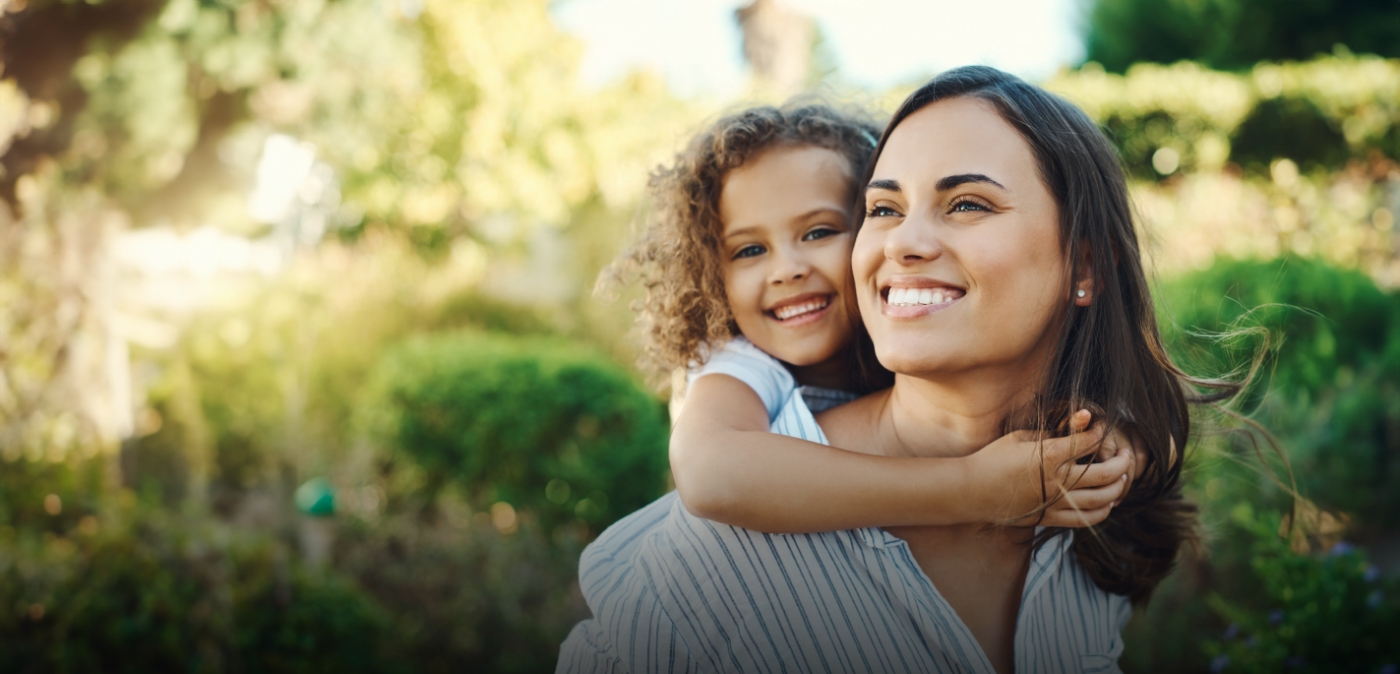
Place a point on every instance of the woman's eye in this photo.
(821, 233)
(749, 251)
(967, 205)
(880, 212)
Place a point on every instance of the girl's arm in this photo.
(728, 467)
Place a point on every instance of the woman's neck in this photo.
(948, 417)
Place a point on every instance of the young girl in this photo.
(746, 263)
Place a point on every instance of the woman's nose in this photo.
(916, 239)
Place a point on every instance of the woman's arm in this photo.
(728, 467)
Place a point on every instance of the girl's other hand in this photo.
(1048, 469)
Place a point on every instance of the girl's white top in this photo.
(739, 358)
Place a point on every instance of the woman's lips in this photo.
(912, 302)
(801, 310)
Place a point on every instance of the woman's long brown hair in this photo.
(1110, 356)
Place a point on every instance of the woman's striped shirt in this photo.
(671, 592)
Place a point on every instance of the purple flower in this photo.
(1276, 616)
(1232, 631)
(1372, 574)
(1295, 662)
(1220, 663)
(1388, 668)
(1251, 641)
(1374, 599)
(1341, 548)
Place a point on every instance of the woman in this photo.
(998, 274)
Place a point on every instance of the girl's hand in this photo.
(1034, 469)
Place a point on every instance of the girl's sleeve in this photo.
(740, 359)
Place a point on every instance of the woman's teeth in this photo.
(784, 313)
(908, 297)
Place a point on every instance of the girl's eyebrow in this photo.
(888, 185)
(805, 216)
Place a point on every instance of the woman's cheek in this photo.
(866, 254)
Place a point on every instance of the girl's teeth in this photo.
(785, 313)
(916, 296)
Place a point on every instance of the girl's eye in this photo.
(820, 233)
(967, 205)
(880, 212)
(749, 251)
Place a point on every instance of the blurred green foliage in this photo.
(1233, 34)
(1332, 612)
(144, 591)
(1329, 383)
(462, 596)
(534, 423)
(1326, 391)
(1320, 113)
(477, 439)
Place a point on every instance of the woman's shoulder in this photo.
(850, 426)
(1059, 592)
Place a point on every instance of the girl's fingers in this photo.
(1098, 474)
(1066, 450)
(1093, 498)
(1073, 519)
(1079, 421)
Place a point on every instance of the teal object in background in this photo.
(316, 498)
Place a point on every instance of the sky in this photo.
(876, 43)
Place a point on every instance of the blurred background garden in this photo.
(301, 368)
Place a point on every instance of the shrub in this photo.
(1328, 612)
(463, 597)
(539, 424)
(1329, 388)
(175, 596)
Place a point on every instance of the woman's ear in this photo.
(1084, 276)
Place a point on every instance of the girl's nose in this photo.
(789, 266)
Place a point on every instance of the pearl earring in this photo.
(1081, 293)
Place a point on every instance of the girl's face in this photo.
(786, 248)
(958, 265)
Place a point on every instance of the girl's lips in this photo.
(801, 310)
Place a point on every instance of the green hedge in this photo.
(1329, 394)
(1319, 113)
(1332, 372)
(1327, 612)
(169, 595)
(543, 425)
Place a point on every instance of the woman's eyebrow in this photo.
(949, 182)
(891, 185)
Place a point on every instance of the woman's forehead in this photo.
(953, 137)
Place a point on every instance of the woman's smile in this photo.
(915, 296)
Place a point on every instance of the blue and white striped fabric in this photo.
(671, 592)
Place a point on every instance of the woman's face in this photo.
(958, 266)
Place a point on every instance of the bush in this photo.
(1322, 113)
(539, 424)
(1330, 390)
(174, 596)
(1329, 612)
(463, 597)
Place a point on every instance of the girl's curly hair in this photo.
(677, 257)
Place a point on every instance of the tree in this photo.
(1236, 34)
